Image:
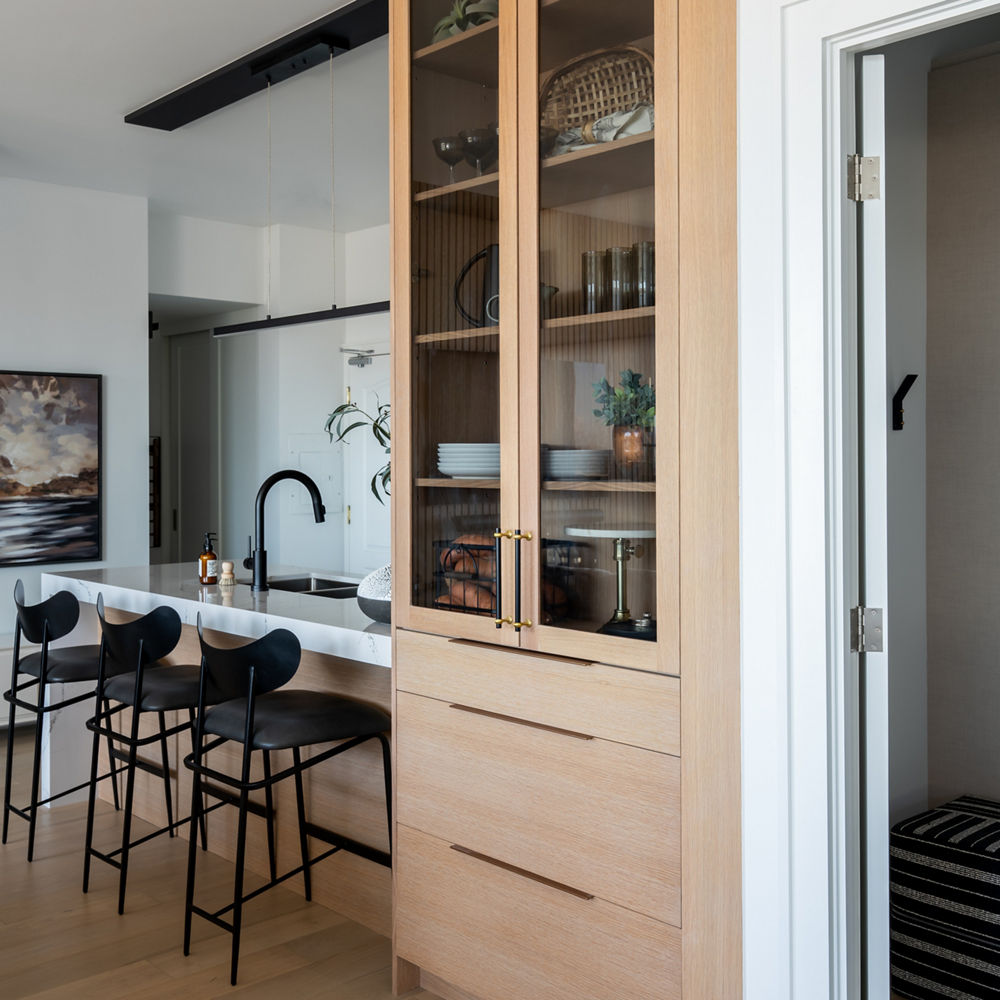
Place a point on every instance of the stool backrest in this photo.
(142, 641)
(52, 619)
(226, 672)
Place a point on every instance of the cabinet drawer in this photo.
(600, 816)
(626, 706)
(502, 935)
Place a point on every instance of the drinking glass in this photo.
(451, 149)
(480, 147)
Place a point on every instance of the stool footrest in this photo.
(347, 844)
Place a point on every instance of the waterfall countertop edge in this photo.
(335, 627)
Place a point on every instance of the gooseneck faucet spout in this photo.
(258, 560)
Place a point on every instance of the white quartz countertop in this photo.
(334, 626)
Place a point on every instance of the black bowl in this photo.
(380, 611)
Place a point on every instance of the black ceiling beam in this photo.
(320, 316)
(345, 29)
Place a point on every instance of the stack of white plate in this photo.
(575, 463)
(469, 461)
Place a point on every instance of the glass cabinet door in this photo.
(599, 326)
(458, 470)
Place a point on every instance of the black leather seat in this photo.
(43, 624)
(250, 710)
(131, 672)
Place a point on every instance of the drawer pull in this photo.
(522, 872)
(549, 657)
(522, 722)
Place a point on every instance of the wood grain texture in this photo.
(59, 944)
(502, 936)
(625, 706)
(709, 500)
(596, 815)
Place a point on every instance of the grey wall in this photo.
(963, 457)
(73, 298)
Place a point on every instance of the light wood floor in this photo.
(56, 942)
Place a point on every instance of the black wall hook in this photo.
(897, 401)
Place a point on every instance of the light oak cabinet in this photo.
(543, 762)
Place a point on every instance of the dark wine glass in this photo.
(480, 147)
(451, 149)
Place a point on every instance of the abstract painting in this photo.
(50, 468)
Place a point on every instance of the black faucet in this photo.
(258, 560)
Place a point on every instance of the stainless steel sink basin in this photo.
(319, 586)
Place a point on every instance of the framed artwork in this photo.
(50, 468)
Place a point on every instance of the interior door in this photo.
(368, 529)
(871, 659)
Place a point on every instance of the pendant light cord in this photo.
(268, 211)
(333, 208)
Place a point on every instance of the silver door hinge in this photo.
(864, 177)
(866, 630)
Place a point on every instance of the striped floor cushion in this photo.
(944, 902)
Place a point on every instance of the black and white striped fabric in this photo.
(944, 902)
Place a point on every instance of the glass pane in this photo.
(455, 302)
(598, 352)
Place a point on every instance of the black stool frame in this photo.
(41, 624)
(140, 642)
(273, 661)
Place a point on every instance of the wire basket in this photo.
(595, 85)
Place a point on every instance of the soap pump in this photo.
(208, 562)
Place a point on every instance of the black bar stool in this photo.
(250, 710)
(43, 624)
(131, 676)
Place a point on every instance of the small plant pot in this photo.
(633, 454)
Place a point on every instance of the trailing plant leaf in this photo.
(379, 424)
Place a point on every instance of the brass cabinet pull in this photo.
(523, 872)
(522, 722)
(518, 623)
(498, 618)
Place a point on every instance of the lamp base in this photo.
(631, 628)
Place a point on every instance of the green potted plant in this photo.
(379, 424)
(630, 409)
(464, 14)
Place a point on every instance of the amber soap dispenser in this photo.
(208, 562)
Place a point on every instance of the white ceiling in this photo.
(72, 69)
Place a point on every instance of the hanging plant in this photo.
(464, 14)
(379, 424)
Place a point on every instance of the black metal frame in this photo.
(236, 791)
(57, 617)
(101, 724)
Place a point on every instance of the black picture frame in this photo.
(51, 440)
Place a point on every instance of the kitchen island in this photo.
(343, 651)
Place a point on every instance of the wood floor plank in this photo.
(58, 944)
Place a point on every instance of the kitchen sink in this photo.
(318, 586)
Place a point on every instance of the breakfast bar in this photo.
(343, 652)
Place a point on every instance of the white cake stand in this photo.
(622, 622)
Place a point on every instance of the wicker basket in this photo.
(595, 85)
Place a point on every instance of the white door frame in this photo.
(795, 58)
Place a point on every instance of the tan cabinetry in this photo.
(542, 774)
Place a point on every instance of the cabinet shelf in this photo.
(459, 484)
(598, 486)
(593, 319)
(472, 55)
(458, 336)
(442, 197)
(603, 169)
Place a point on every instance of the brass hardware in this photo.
(526, 536)
(503, 534)
(503, 621)
(348, 513)
(561, 886)
(525, 624)
(348, 394)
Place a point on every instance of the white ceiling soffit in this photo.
(72, 71)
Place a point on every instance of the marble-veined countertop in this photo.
(333, 626)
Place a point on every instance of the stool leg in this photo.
(192, 858)
(111, 757)
(9, 764)
(387, 768)
(164, 756)
(303, 839)
(201, 805)
(241, 841)
(91, 797)
(269, 803)
(127, 819)
(36, 766)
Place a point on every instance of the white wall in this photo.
(73, 298)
